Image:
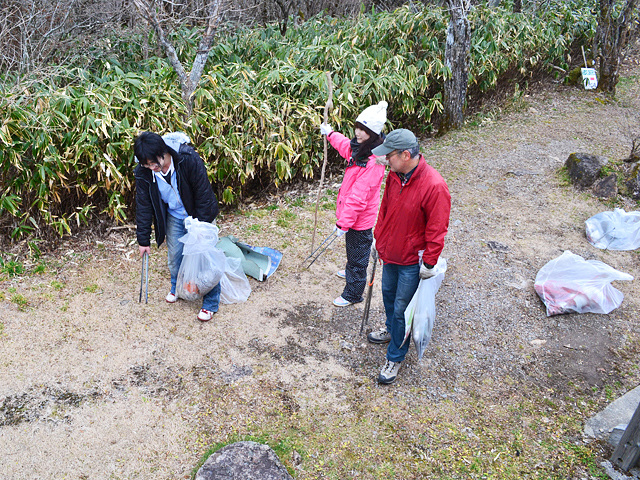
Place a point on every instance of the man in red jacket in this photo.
(412, 223)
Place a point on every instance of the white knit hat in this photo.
(374, 117)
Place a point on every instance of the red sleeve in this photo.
(437, 207)
(382, 213)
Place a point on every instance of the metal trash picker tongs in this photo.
(367, 302)
(332, 236)
(144, 278)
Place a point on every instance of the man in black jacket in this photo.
(172, 184)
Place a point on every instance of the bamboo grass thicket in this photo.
(66, 140)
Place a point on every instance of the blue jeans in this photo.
(399, 283)
(175, 230)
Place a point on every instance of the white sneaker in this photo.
(171, 298)
(205, 315)
(341, 274)
(341, 302)
(389, 372)
(379, 336)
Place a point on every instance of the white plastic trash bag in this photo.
(570, 283)
(202, 263)
(617, 230)
(420, 314)
(175, 139)
(234, 285)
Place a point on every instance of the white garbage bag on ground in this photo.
(570, 283)
(617, 230)
(234, 285)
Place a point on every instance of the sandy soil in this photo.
(95, 385)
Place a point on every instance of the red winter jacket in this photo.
(413, 217)
(359, 195)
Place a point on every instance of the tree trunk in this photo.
(517, 6)
(612, 37)
(457, 61)
(285, 7)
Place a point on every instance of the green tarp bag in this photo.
(254, 264)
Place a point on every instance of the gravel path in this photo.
(95, 385)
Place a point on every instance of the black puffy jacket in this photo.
(195, 191)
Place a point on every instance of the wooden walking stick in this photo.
(328, 106)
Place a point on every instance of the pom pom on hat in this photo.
(374, 117)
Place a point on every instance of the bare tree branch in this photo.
(205, 45)
(149, 13)
(188, 81)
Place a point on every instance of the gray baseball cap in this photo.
(400, 139)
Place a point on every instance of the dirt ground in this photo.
(95, 385)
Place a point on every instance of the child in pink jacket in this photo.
(359, 196)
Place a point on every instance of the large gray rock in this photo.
(243, 461)
(584, 168)
(616, 475)
(619, 411)
(606, 187)
(616, 434)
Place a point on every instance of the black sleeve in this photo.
(144, 209)
(204, 200)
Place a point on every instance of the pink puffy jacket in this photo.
(359, 195)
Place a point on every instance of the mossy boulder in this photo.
(574, 77)
(584, 168)
(606, 187)
(243, 461)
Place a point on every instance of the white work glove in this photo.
(339, 231)
(325, 128)
(426, 272)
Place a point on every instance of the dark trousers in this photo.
(358, 244)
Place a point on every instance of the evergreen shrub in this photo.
(66, 140)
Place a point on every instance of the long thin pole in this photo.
(333, 236)
(367, 303)
(144, 278)
(328, 239)
(328, 106)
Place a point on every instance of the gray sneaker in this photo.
(389, 372)
(381, 336)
